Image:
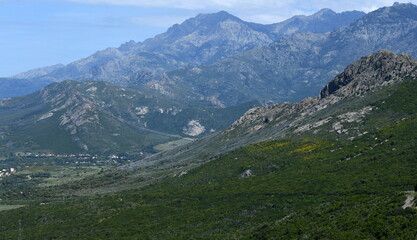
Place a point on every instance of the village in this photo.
(18, 161)
(52, 155)
(7, 172)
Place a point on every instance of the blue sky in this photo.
(37, 33)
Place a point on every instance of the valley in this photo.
(294, 185)
(100, 118)
(313, 180)
(221, 129)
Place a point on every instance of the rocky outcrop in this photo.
(379, 69)
(194, 128)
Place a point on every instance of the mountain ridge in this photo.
(199, 40)
(388, 64)
(98, 117)
(297, 66)
(339, 114)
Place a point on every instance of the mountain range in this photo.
(194, 101)
(340, 165)
(203, 39)
(240, 62)
(296, 67)
(327, 149)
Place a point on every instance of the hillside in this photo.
(311, 181)
(346, 113)
(97, 117)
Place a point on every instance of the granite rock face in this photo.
(379, 69)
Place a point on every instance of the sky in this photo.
(38, 33)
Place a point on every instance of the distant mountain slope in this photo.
(97, 117)
(203, 39)
(25, 83)
(349, 106)
(38, 72)
(12, 87)
(325, 20)
(296, 67)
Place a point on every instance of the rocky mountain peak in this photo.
(216, 17)
(378, 69)
(324, 12)
(322, 21)
(202, 20)
(127, 45)
(395, 12)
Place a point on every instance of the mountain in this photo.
(338, 166)
(297, 66)
(25, 83)
(325, 20)
(97, 117)
(38, 72)
(346, 108)
(12, 87)
(203, 39)
(210, 37)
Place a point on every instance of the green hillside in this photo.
(301, 187)
(100, 118)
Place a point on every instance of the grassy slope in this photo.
(307, 188)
